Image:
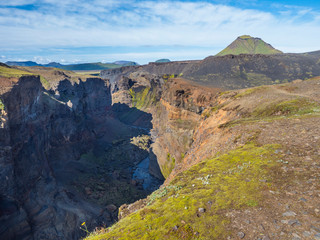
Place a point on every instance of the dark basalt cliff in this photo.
(233, 71)
(59, 159)
(38, 134)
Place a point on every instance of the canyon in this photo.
(78, 148)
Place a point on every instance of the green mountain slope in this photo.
(248, 45)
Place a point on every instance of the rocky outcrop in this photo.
(39, 133)
(53, 145)
(158, 69)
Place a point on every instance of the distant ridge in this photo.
(248, 45)
(22, 63)
(126, 63)
(163, 60)
(75, 67)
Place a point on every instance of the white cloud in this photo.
(79, 23)
(17, 2)
(40, 59)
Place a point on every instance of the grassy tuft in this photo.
(1, 105)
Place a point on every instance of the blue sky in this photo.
(73, 31)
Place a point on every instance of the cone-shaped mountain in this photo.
(248, 45)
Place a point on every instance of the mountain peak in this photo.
(244, 37)
(248, 45)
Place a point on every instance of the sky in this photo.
(77, 31)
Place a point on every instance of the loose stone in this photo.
(289, 214)
(201, 210)
(241, 235)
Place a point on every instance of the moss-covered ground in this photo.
(169, 165)
(1, 105)
(144, 98)
(294, 108)
(193, 206)
(12, 72)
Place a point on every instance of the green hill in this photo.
(248, 45)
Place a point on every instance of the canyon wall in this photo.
(60, 163)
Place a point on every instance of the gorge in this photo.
(77, 148)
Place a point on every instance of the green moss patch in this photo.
(44, 83)
(143, 99)
(12, 72)
(193, 206)
(169, 165)
(1, 105)
(142, 141)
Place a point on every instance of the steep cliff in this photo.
(66, 158)
(175, 105)
(38, 129)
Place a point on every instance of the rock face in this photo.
(39, 134)
(175, 105)
(52, 145)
